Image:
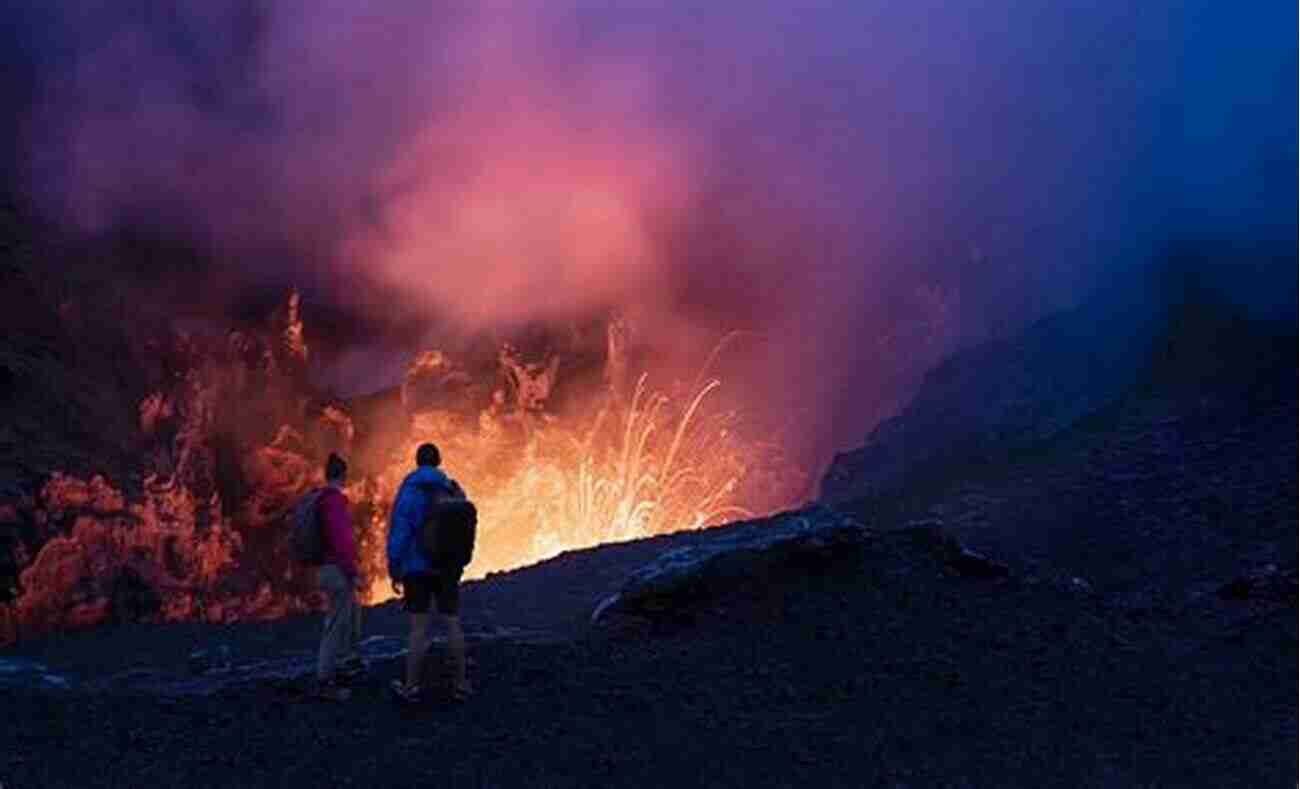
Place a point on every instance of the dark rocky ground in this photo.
(899, 675)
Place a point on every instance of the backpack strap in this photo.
(449, 487)
(431, 488)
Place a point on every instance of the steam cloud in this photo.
(865, 184)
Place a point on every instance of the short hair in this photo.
(336, 467)
(428, 455)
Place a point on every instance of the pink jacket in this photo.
(336, 529)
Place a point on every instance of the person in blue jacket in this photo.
(421, 583)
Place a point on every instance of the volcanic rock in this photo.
(758, 552)
(1269, 585)
(26, 673)
(131, 597)
(200, 661)
(957, 558)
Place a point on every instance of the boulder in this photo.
(930, 535)
(807, 541)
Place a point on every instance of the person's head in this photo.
(428, 455)
(336, 469)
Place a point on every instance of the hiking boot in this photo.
(406, 694)
(352, 669)
(331, 690)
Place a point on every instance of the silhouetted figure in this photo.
(341, 582)
(424, 582)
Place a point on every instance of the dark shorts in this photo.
(441, 587)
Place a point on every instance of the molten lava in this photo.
(238, 433)
(630, 469)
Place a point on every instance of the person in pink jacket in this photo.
(340, 580)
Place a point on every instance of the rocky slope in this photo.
(1178, 327)
(1174, 485)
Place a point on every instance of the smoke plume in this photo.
(860, 186)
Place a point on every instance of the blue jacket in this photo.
(405, 556)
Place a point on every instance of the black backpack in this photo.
(450, 527)
(305, 540)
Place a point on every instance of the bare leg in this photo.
(456, 653)
(416, 647)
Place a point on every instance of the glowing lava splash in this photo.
(647, 466)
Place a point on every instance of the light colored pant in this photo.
(342, 621)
